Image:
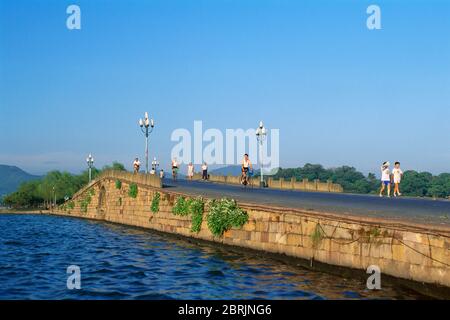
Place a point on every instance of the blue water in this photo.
(120, 262)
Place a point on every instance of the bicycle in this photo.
(174, 173)
(246, 179)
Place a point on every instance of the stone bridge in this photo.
(415, 255)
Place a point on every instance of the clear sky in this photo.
(338, 92)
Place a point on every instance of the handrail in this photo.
(140, 178)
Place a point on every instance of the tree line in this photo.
(417, 184)
(55, 185)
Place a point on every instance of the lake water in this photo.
(120, 262)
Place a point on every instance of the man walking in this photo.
(385, 178)
(204, 171)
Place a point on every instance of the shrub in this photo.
(181, 207)
(85, 202)
(118, 184)
(70, 205)
(133, 192)
(155, 202)
(224, 214)
(196, 209)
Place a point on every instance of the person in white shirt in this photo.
(161, 174)
(190, 171)
(397, 173)
(204, 171)
(136, 165)
(385, 178)
(174, 168)
(246, 166)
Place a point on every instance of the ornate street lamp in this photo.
(90, 163)
(261, 134)
(155, 165)
(147, 126)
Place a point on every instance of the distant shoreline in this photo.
(24, 211)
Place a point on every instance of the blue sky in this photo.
(338, 92)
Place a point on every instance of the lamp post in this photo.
(261, 134)
(54, 196)
(147, 126)
(90, 163)
(155, 164)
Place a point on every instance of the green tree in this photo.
(115, 166)
(416, 183)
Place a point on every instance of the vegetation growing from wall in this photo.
(70, 205)
(317, 235)
(193, 207)
(133, 191)
(84, 203)
(155, 202)
(118, 184)
(371, 235)
(224, 214)
(196, 208)
(181, 207)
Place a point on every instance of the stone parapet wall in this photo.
(291, 184)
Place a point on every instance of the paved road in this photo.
(414, 209)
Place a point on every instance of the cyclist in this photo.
(246, 166)
(136, 165)
(174, 168)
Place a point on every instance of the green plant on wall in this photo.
(224, 214)
(181, 207)
(70, 205)
(196, 209)
(155, 202)
(85, 203)
(118, 184)
(133, 191)
(317, 236)
(372, 235)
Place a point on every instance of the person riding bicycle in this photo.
(246, 166)
(136, 165)
(174, 168)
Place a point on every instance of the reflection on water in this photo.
(119, 262)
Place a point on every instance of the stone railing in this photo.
(219, 179)
(291, 184)
(151, 180)
(305, 185)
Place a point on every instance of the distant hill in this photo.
(11, 177)
(227, 171)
